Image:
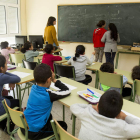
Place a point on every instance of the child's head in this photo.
(43, 75)
(51, 21)
(107, 67)
(4, 45)
(3, 64)
(110, 104)
(80, 50)
(27, 46)
(101, 24)
(136, 73)
(49, 49)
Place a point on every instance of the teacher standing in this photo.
(50, 33)
(111, 38)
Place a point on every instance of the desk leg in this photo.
(19, 97)
(139, 60)
(117, 58)
(73, 124)
(96, 81)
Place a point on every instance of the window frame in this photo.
(8, 34)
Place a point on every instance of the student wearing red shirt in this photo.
(97, 36)
(48, 57)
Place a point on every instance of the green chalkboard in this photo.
(76, 23)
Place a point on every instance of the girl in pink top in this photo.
(48, 57)
(5, 50)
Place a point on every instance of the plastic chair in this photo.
(60, 133)
(136, 89)
(29, 65)
(16, 58)
(18, 118)
(64, 71)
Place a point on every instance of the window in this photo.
(9, 18)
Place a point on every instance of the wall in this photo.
(38, 11)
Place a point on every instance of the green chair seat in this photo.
(22, 137)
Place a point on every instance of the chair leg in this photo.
(73, 124)
(14, 93)
(63, 113)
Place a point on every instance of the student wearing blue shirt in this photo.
(39, 105)
(11, 79)
(108, 67)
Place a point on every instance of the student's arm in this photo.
(118, 40)
(78, 109)
(54, 36)
(56, 58)
(69, 61)
(90, 61)
(35, 53)
(9, 78)
(103, 38)
(132, 127)
(56, 95)
(125, 80)
(11, 50)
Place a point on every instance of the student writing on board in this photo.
(50, 33)
(111, 38)
(97, 36)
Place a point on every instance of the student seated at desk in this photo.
(28, 51)
(5, 50)
(48, 57)
(11, 79)
(136, 75)
(39, 105)
(79, 62)
(108, 67)
(106, 121)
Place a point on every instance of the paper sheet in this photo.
(21, 74)
(41, 52)
(90, 65)
(130, 114)
(69, 86)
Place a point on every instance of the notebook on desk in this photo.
(10, 67)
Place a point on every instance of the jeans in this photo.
(110, 57)
(99, 54)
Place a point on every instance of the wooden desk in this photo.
(23, 80)
(125, 52)
(58, 50)
(128, 106)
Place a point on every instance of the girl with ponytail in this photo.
(79, 61)
(28, 51)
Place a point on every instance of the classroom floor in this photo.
(56, 112)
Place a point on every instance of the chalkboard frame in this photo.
(90, 4)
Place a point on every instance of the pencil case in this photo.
(89, 97)
(68, 57)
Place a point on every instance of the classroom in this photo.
(69, 70)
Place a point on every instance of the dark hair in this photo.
(136, 73)
(100, 23)
(26, 47)
(50, 21)
(110, 104)
(107, 67)
(41, 73)
(80, 49)
(4, 45)
(48, 48)
(114, 31)
(2, 61)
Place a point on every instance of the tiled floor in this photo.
(56, 112)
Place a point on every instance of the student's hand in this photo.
(93, 53)
(11, 86)
(53, 77)
(9, 48)
(121, 116)
(16, 49)
(115, 72)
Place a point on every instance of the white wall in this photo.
(38, 11)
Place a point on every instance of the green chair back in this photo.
(111, 79)
(60, 133)
(136, 89)
(16, 58)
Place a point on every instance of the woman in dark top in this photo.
(11, 79)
